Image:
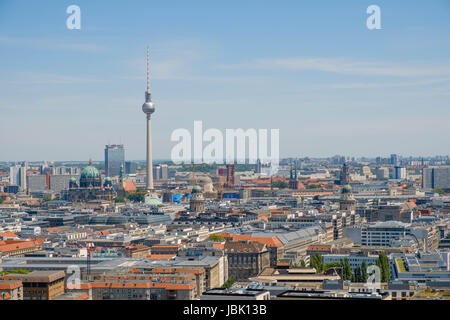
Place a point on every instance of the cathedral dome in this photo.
(90, 177)
(196, 189)
(347, 189)
(89, 172)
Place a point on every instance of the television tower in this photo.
(148, 108)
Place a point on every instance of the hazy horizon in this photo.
(311, 69)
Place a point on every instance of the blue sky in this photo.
(310, 68)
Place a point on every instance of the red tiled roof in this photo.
(14, 245)
(129, 186)
(8, 234)
(10, 285)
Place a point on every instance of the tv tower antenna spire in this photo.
(148, 69)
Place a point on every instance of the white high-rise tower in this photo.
(148, 108)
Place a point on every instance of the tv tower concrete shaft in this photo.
(148, 108)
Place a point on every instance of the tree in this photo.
(316, 262)
(119, 199)
(1, 200)
(302, 263)
(364, 275)
(347, 272)
(357, 275)
(216, 238)
(332, 265)
(383, 264)
(439, 191)
(280, 185)
(136, 196)
(229, 282)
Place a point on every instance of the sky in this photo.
(309, 68)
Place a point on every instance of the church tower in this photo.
(293, 180)
(121, 185)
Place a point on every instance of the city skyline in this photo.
(331, 85)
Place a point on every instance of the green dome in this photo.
(90, 177)
(73, 179)
(90, 172)
(107, 179)
(196, 189)
(347, 189)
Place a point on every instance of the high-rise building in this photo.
(37, 183)
(258, 166)
(130, 167)
(395, 159)
(59, 182)
(161, 172)
(18, 176)
(156, 172)
(399, 172)
(436, 178)
(164, 173)
(382, 173)
(114, 158)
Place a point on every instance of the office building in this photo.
(382, 173)
(114, 158)
(436, 178)
(37, 183)
(40, 285)
(18, 176)
(246, 259)
(395, 159)
(130, 167)
(354, 260)
(399, 172)
(380, 234)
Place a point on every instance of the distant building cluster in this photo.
(315, 230)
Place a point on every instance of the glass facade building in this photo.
(114, 158)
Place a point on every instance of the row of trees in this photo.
(383, 264)
(137, 196)
(360, 274)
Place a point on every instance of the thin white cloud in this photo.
(343, 66)
(48, 78)
(51, 44)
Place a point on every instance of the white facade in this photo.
(380, 234)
